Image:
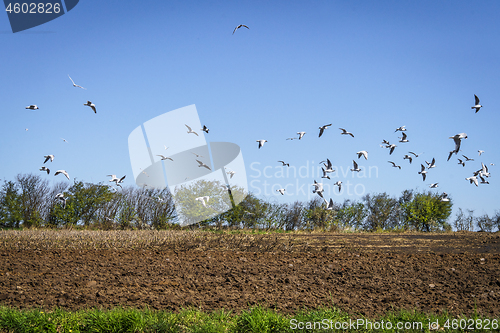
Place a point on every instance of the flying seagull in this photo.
(62, 172)
(392, 148)
(190, 130)
(457, 138)
(467, 159)
(92, 106)
(75, 85)
(163, 158)
(402, 128)
(484, 170)
(480, 152)
(291, 138)
(432, 164)
(422, 172)
(415, 154)
(362, 153)
(329, 205)
(385, 142)
(240, 26)
(318, 188)
(483, 181)
(394, 165)
(356, 168)
(45, 169)
(477, 106)
(231, 173)
(328, 166)
(325, 174)
(261, 142)
(281, 190)
(472, 180)
(32, 107)
(339, 184)
(205, 129)
(444, 197)
(461, 162)
(64, 140)
(407, 157)
(48, 157)
(403, 139)
(201, 164)
(202, 200)
(62, 199)
(433, 185)
(116, 179)
(322, 129)
(345, 132)
(283, 163)
(196, 154)
(301, 134)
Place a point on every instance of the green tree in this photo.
(383, 212)
(11, 207)
(426, 212)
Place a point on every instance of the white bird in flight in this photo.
(408, 157)
(45, 169)
(394, 165)
(62, 172)
(91, 105)
(339, 184)
(329, 205)
(190, 130)
(283, 163)
(480, 152)
(231, 173)
(472, 180)
(163, 158)
(362, 153)
(116, 179)
(433, 185)
(62, 199)
(318, 188)
(301, 134)
(281, 190)
(324, 174)
(205, 129)
(415, 154)
(32, 107)
(356, 168)
(403, 139)
(345, 132)
(240, 26)
(322, 129)
(432, 164)
(477, 106)
(196, 154)
(48, 157)
(75, 85)
(444, 197)
(202, 200)
(402, 128)
(422, 172)
(328, 166)
(261, 142)
(202, 165)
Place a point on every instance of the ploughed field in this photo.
(366, 274)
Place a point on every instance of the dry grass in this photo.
(141, 239)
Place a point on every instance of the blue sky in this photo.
(366, 66)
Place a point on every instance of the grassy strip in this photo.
(257, 319)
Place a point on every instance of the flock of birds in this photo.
(482, 173)
(118, 181)
(478, 177)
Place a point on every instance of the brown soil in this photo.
(364, 274)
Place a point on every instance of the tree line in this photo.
(29, 201)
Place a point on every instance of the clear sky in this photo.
(367, 66)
